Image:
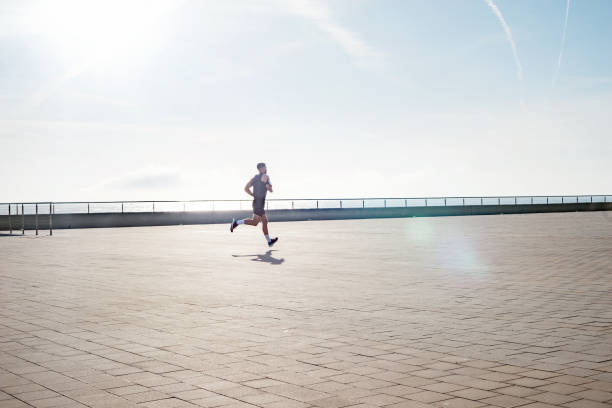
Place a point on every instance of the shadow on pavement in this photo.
(267, 257)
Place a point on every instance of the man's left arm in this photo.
(268, 184)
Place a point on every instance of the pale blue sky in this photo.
(345, 98)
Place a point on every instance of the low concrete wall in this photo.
(105, 220)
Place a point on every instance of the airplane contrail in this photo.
(567, 6)
(506, 27)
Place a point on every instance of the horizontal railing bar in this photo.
(305, 199)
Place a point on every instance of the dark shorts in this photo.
(258, 206)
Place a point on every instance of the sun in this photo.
(100, 32)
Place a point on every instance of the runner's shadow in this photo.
(267, 257)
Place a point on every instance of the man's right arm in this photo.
(248, 186)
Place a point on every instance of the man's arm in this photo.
(266, 180)
(248, 186)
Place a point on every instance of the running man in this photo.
(261, 185)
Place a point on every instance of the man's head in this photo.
(262, 168)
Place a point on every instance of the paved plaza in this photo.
(451, 312)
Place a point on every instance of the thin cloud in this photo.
(362, 53)
(145, 179)
(506, 27)
(567, 6)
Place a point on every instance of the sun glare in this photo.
(100, 32)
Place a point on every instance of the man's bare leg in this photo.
(264, 227)
(252, 221)
(248, 221)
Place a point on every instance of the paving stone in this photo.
(194, 394)
(594, 395)
(542, 375)
(401, 390)
(36, 395)
(561, 388)
(15, 403)
(168, 403)
(552, 398)
(572, 380)
(529, 382)
(538, 405)
(380, 400)
(442, 387)
(506, 401)
(213, 401)
(287, 404)
(473, 394)
(130, 389)
(459, 403)
(584, 403)
(599, 385)
(59, 401)
(371, 384)
(428, 396)
(296, 392)
(411, 404)
(332, 402)
(518, 391)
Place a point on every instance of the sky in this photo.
(177, 100)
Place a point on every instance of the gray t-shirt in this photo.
(259, 187)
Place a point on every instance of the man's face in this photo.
(263, 170)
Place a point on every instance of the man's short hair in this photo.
(260, 165)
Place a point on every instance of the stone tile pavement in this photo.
(455, 312)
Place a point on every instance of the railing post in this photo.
(121, 208)
(531, 199)
(498, 201)
(340, 203)
(292, 205)
(482, 202)
(385, 203)
(463, 201)
(514, 200)
(36, 221)
(153, 206)
(445, 201)
(362, 203)
(405, 203)
(50, 219)
(546, 200)
(425, 202)
(22, 221)
(591, 200)
(317, 204)
(183, 207)
(87, 208)
(9, 220)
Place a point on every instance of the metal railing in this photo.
(12, 211)
(90, 207)
(17, 211)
